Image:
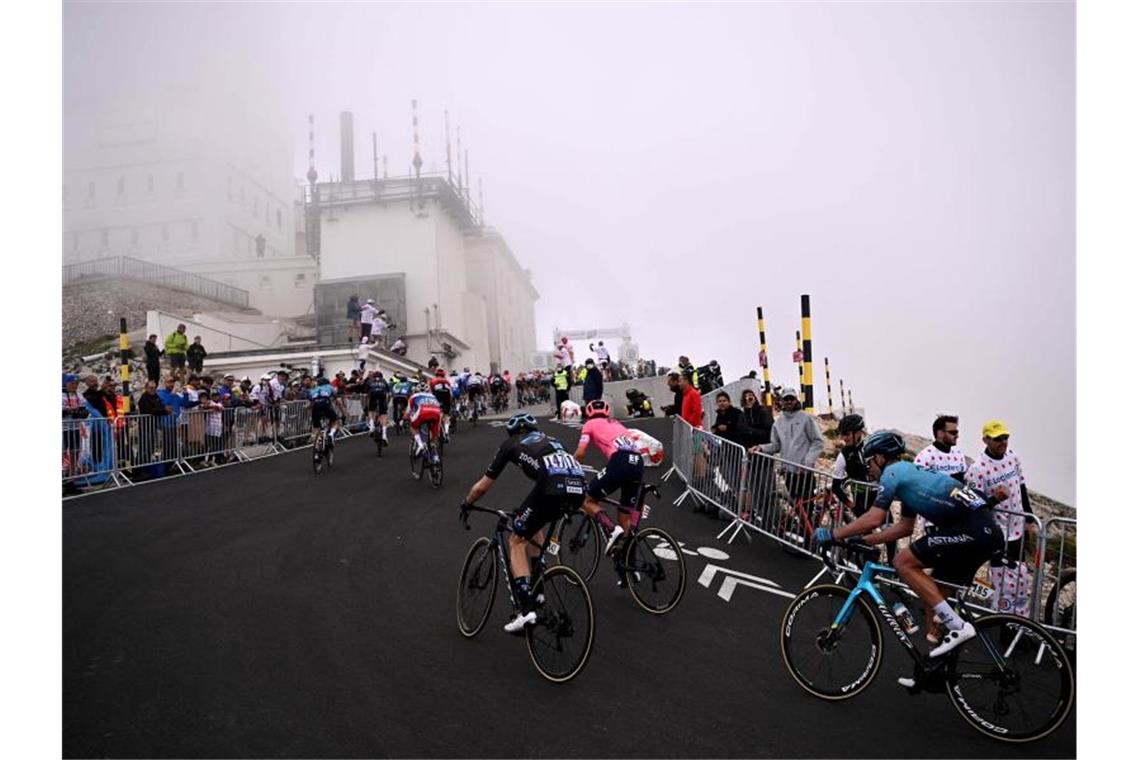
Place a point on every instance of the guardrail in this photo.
(785, 501)
(128, 266)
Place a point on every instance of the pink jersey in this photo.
(608, 435)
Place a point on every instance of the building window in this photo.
(299, 280)
(150, 183)
(194, 230)
(278, 218)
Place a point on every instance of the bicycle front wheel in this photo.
(831, 662)
(436, 472)
(561, 639)
(476, 594)
(655, 570)
(1011, 681)
(579, 544)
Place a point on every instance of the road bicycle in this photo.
(1061, 607)
(1012, 681)
(648, 561)
(429, 458)
(323, 448)
(562, 637)
(801, 516)
(378, 439)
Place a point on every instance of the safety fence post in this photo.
(767, 392)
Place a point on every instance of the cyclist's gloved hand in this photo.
(822, 536)
(464, 507)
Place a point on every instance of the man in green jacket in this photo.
(176, 344)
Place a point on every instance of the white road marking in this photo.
(734, 578)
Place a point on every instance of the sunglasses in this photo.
(1001, 438)
(950, 432)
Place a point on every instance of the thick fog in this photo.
(911, 166)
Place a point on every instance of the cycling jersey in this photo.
(322, 394)
(424, 407)
(934, 459)
(475, 383)
(608, 435)
(541, 459)
(939, 498)
(401, 388)
(378, 386)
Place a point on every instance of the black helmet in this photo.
(852, 423)
(632, 393)
(521, 421)
(886, 442)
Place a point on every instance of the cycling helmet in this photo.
(421, 388)
(852, 423)
(632, 393)
(441, 372)
(322, 380)
(597, 408)
(886, 442)
(521, 421)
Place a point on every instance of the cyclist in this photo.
(559, 486)
(401, 389)
(440, 387)
(849, 466)
(498, 392)
(378, 405)
(423, 408)
(322, 394)
(624, 469)
(476, 384)
(965, 534)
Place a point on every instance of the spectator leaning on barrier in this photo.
(153, 354)
(756, 419)
(796, 439)
(174, 402)
(592, 384)
(196, 354)
(997, 473)
(176, 345)
(729, 423)
(692, 411)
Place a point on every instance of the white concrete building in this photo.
(192, 180)
(465, 298)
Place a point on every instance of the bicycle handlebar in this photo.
(864, 550)
(465, 514)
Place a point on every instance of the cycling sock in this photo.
(604, 520)
(948, 617)
(522, 592)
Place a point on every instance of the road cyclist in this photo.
(378, 392)
(440, 387)
(401, 390)
(424, 416)
(321, 396)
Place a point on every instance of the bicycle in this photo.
(1011, 669)
(641, 558)
(378, 439)
(322, 449)
(561, 639)
(800, 517)
(1061, 607)
(429, 458)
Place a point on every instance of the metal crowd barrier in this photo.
(1056, 581)
(101, 452)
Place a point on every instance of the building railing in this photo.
(147, 271)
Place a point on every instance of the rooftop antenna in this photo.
(312, 174)
(467, 171)
(458, 154)
(313, 210)
(385, 162)
(447, 140)
(417, 160)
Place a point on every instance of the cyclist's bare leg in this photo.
(593, 508)
(911, 572)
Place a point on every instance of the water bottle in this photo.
(905, 619)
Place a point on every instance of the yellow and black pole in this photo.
(850, 401)
(827, 377)
(842, 400)
(805, 318)
(799, 357)
(125, 365)
(767, 400)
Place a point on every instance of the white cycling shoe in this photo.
(954, 639)
(520, 621)
(614, 536)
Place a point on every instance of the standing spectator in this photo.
(685, 367)
(561, 389)
(729, 423)
(796, 438)
(997, 473)
(592, 384)
(352, 314)
(362, 353)
(174, 402)
(211, 403)
(153, 353)
(380, 328)
(149, 404)
(226, 389)
(176, 345)
(756, 419)
(368, 312)
(196, 354)
(93, 394)
(692, 411)
(943, 455)
(74, 410)
(673, 380)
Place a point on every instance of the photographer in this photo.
(709, 377)
(639, 404)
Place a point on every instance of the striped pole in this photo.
(842, 402)
(124, 365)
(800, 364)
(767, 394)
(805, 319)
(850, 401)
(827, 377)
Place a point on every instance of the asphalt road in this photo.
(259, 610)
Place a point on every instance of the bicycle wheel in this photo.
(830, 663)
(561, 639)
(1061, 608)
(379, 441)
(1011, 681)
(794, 531)
(436, 471)
(329, 451)
(413, 460)
(579, 544)
(318, 456)
(476, 593)
(655, 570)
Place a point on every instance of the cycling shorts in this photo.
(625, 471)
(378, 402)
(430, 414)
(475, 390)
(955, 552)
(444, 399)
(323, 409)
(549, 500)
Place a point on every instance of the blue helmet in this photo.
(886, 442)
(521, 421)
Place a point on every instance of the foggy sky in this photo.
(911, 166)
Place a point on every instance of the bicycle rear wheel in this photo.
(579, 544)
(561, 639)
(830, 663)
(1011, 681)
(318, 456)
(436, 471)
(655, 570)
(476, 593)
